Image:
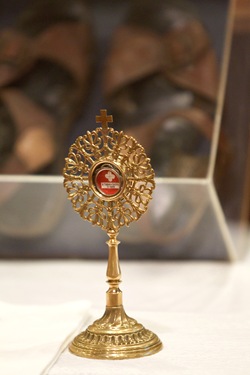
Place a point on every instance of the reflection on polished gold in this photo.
(109, 181)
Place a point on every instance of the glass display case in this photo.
(175, 99)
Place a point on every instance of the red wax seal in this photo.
(108, 181)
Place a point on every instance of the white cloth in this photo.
(200, 310)
(207, 344)
(32, 336)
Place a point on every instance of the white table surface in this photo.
(200, 310)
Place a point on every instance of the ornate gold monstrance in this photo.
(109, 181)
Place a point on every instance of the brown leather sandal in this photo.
(45, 70)
(160, 81)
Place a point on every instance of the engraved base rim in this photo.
(115, 346)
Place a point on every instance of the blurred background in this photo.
(174, 74)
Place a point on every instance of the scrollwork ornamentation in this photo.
(120, 151)
(115, 340)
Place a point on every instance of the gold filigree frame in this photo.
(106, 145)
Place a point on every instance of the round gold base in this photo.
(122, 338)
(113, 346)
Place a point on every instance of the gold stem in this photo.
(114, 294)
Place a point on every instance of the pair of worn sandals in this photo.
(160, 81)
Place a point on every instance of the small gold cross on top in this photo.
(104, 119)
